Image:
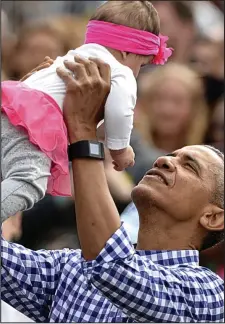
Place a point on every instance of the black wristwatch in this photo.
(86, 149)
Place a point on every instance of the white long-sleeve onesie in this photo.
(120, 103)
(25, 169)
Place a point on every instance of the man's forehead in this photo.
(200, 152)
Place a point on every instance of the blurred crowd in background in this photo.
(181, 103)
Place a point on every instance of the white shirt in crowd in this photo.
(119, 108)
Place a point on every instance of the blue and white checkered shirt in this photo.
(148, 286)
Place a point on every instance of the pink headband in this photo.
(128, 39)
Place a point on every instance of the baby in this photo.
(124, 34)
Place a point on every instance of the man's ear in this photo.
(213, 219)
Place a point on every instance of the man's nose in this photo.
(164, 162)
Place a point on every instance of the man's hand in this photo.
(45, 64)
(87, 89)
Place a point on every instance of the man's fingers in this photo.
(26, 76)
(43, 66)
(66, 76)
(77, 69)
(84, 68)
(90, 66)
(47, 58)
(98, 71)
(104, 69)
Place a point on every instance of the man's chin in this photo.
(140, 193)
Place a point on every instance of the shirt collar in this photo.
(170, 258)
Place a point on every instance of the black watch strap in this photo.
(86, 149)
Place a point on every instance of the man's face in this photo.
(180, 184)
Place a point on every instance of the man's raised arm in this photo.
(97, 216)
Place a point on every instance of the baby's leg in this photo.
(25, 170)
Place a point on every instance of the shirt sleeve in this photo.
(29, 279)
(148, 292)
(119, 110)
(25, 170)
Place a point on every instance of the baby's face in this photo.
(135, 62)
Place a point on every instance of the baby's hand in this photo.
(123, 159)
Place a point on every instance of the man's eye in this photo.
(190, 166)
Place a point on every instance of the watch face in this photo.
(94, 149)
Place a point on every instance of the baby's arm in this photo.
(25, 170)
(119, 110)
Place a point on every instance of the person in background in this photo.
(171, 111)
(208, 60)
(219, 4)
(33, 44)
(145, 156)
(208, 57)
(29, 12)
(8, 41)
(215, 134)
(209, 19)
(72, 29)
(120, 184)
(177, 21)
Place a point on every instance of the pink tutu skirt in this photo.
(42, 118)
